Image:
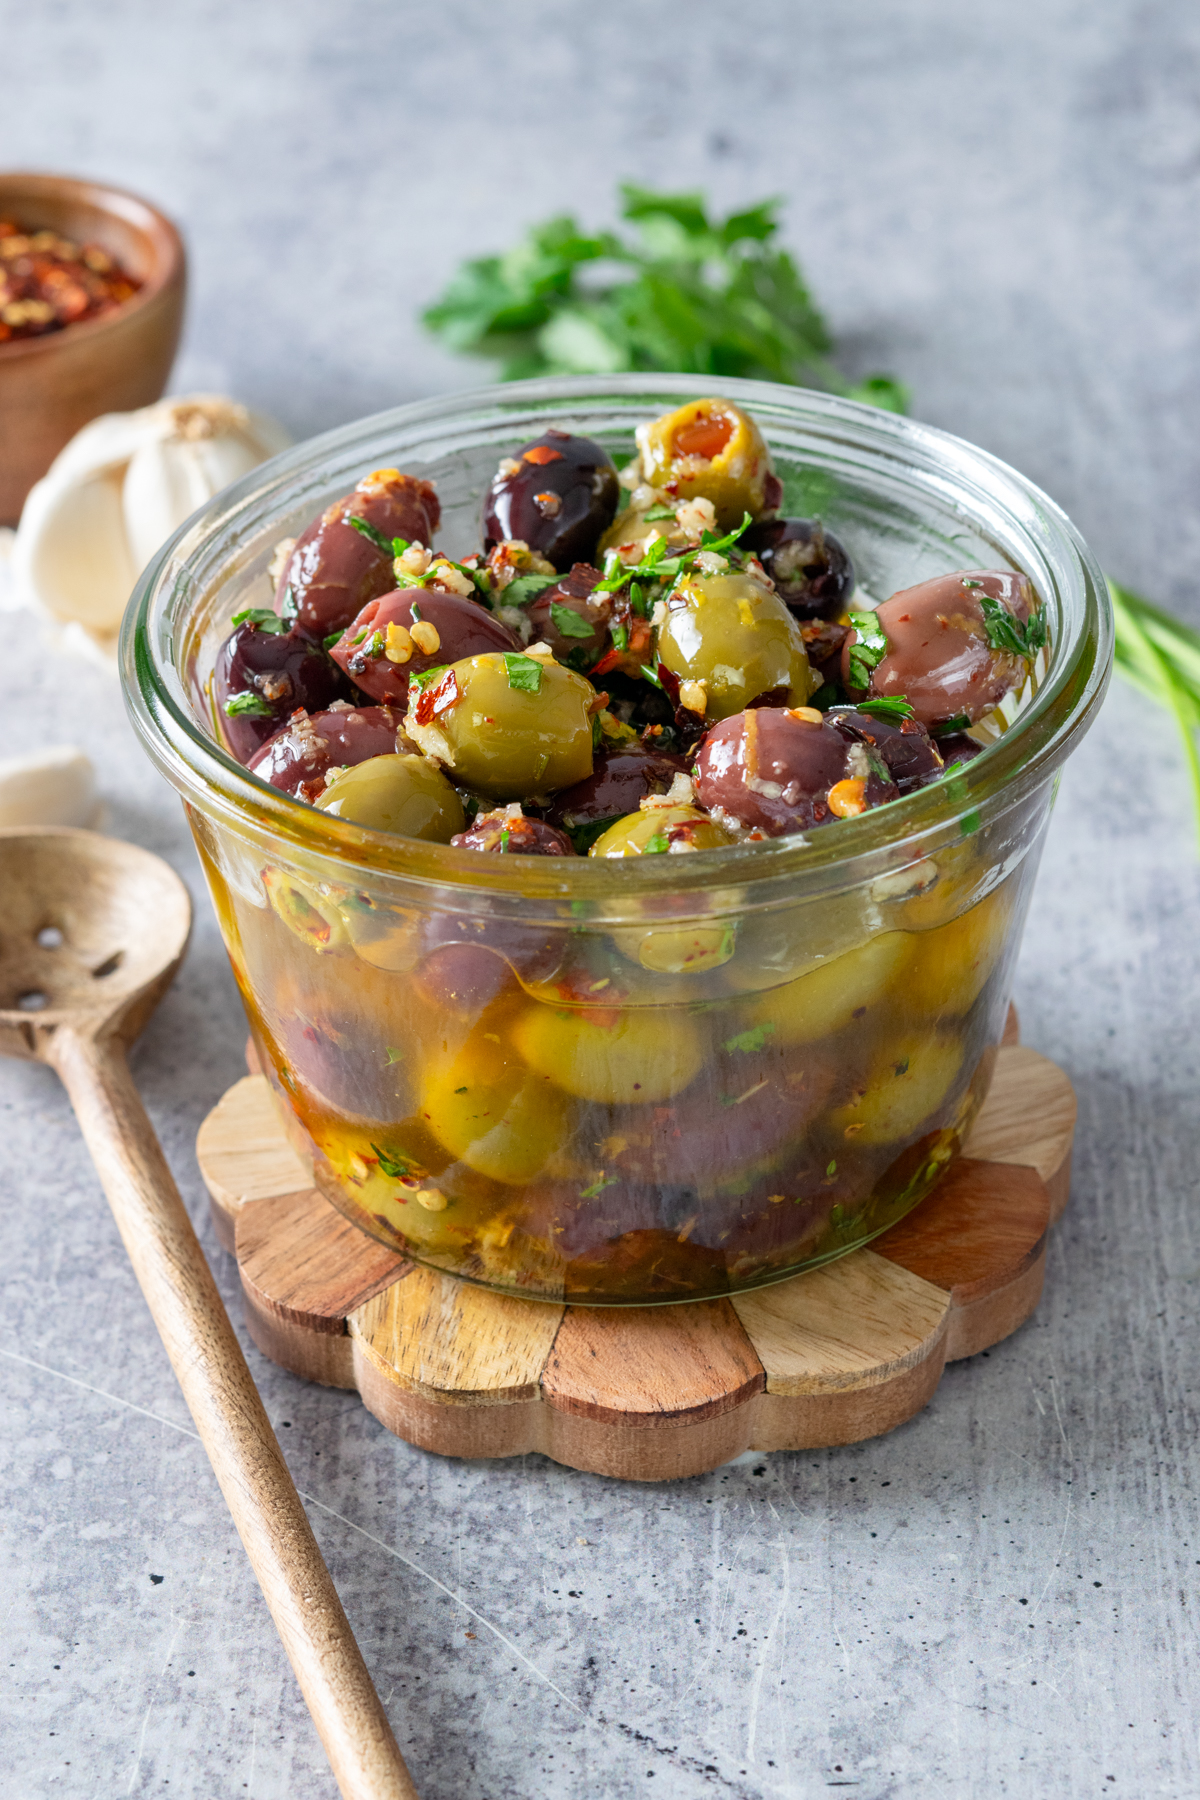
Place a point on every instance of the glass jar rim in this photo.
(913, 456)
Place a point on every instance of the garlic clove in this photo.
(50, 787)
(72, 551)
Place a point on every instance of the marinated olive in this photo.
(909, 1080)
(910, 754)
(615, 1057)
(951, 963)
(572, 620)
(713, 450)
(662, 829)
(508, 832)
(777, 770)
(556, 494)
(405, 794)
(510, 727)
(735, 639)
(412, 630)
(856, 987)
(494, 1114)
(811, 569)
(944, 654)
(334, 568)
(262, 676)
(297, 758)
(956, 748)
(463, 979)
(621, 779)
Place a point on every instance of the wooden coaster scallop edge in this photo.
(421, 1348)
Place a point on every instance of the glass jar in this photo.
(655, 1078)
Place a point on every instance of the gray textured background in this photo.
(1000, 203)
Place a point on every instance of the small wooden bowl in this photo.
(50, 386)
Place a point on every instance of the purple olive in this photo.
(262, 676)
(508, 832)
(912, 758)
(617, 785)
(335, 568)
(956, 748)
(455, 628)
(776, 770)
(810, 567)
(297, 758)
(557, 494)
(463, 978)
(944, 655)
(564, 616)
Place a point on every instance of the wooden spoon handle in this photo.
(233, 1427)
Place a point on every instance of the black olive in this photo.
(810, 567)
(297, 758)
(777, 771)
(262, 676)
(557, 494)
(912, 758)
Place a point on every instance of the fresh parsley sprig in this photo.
(893, 709)
(262, 619)
(684, 291)
(1005, 632)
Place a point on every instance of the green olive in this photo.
(908, 1081)
(859, 985)
(661, 828)
(709, 449)
(493, 1113)
(510, 726)
(624, 1057)
(405, 794)
(738, 638)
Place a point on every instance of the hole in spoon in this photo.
(109, 967)
(50, 937)
(34, 1000)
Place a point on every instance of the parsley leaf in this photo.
(568, 622)
(754, 1039)
(426, 677)
(679, 289)
(658, 845)
(247, 706)
(598, 1186)
(658, 512)
(365, 529)
(524, 672)
(525, 588)
(869, 651)
(335, 637)
(262, 619)
(1004, 632)
(393, 1165)
(892, 709)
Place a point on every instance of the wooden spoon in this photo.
(91, 932)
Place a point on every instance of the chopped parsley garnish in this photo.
(638, 601)
(754, 1039)
(335, 637)
(290, 608)
(374, 644)
(656, 565)
(414, 612)
(262, 619)
(524, 588)
(461, 1090)
(505, 835)
(247, 706)
(598, 1186)
(394, 1166)
(620, 637)
(568, 622)
(393, 1056)
(1006, 633)
(658, 512)
(657, 845)
(651, 676)
(831, 1168)
(524, 672)
(946, 727)
(869, 650)
(365, 529)
(426, 677)
(892, 709)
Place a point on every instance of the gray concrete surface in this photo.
(999, 202)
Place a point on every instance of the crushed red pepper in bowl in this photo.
(48, 282)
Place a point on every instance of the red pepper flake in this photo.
(438, 699)
(541, 454)
(47, 282)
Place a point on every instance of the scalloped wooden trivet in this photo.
(844, 1352)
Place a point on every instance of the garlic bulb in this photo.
(118, 490)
